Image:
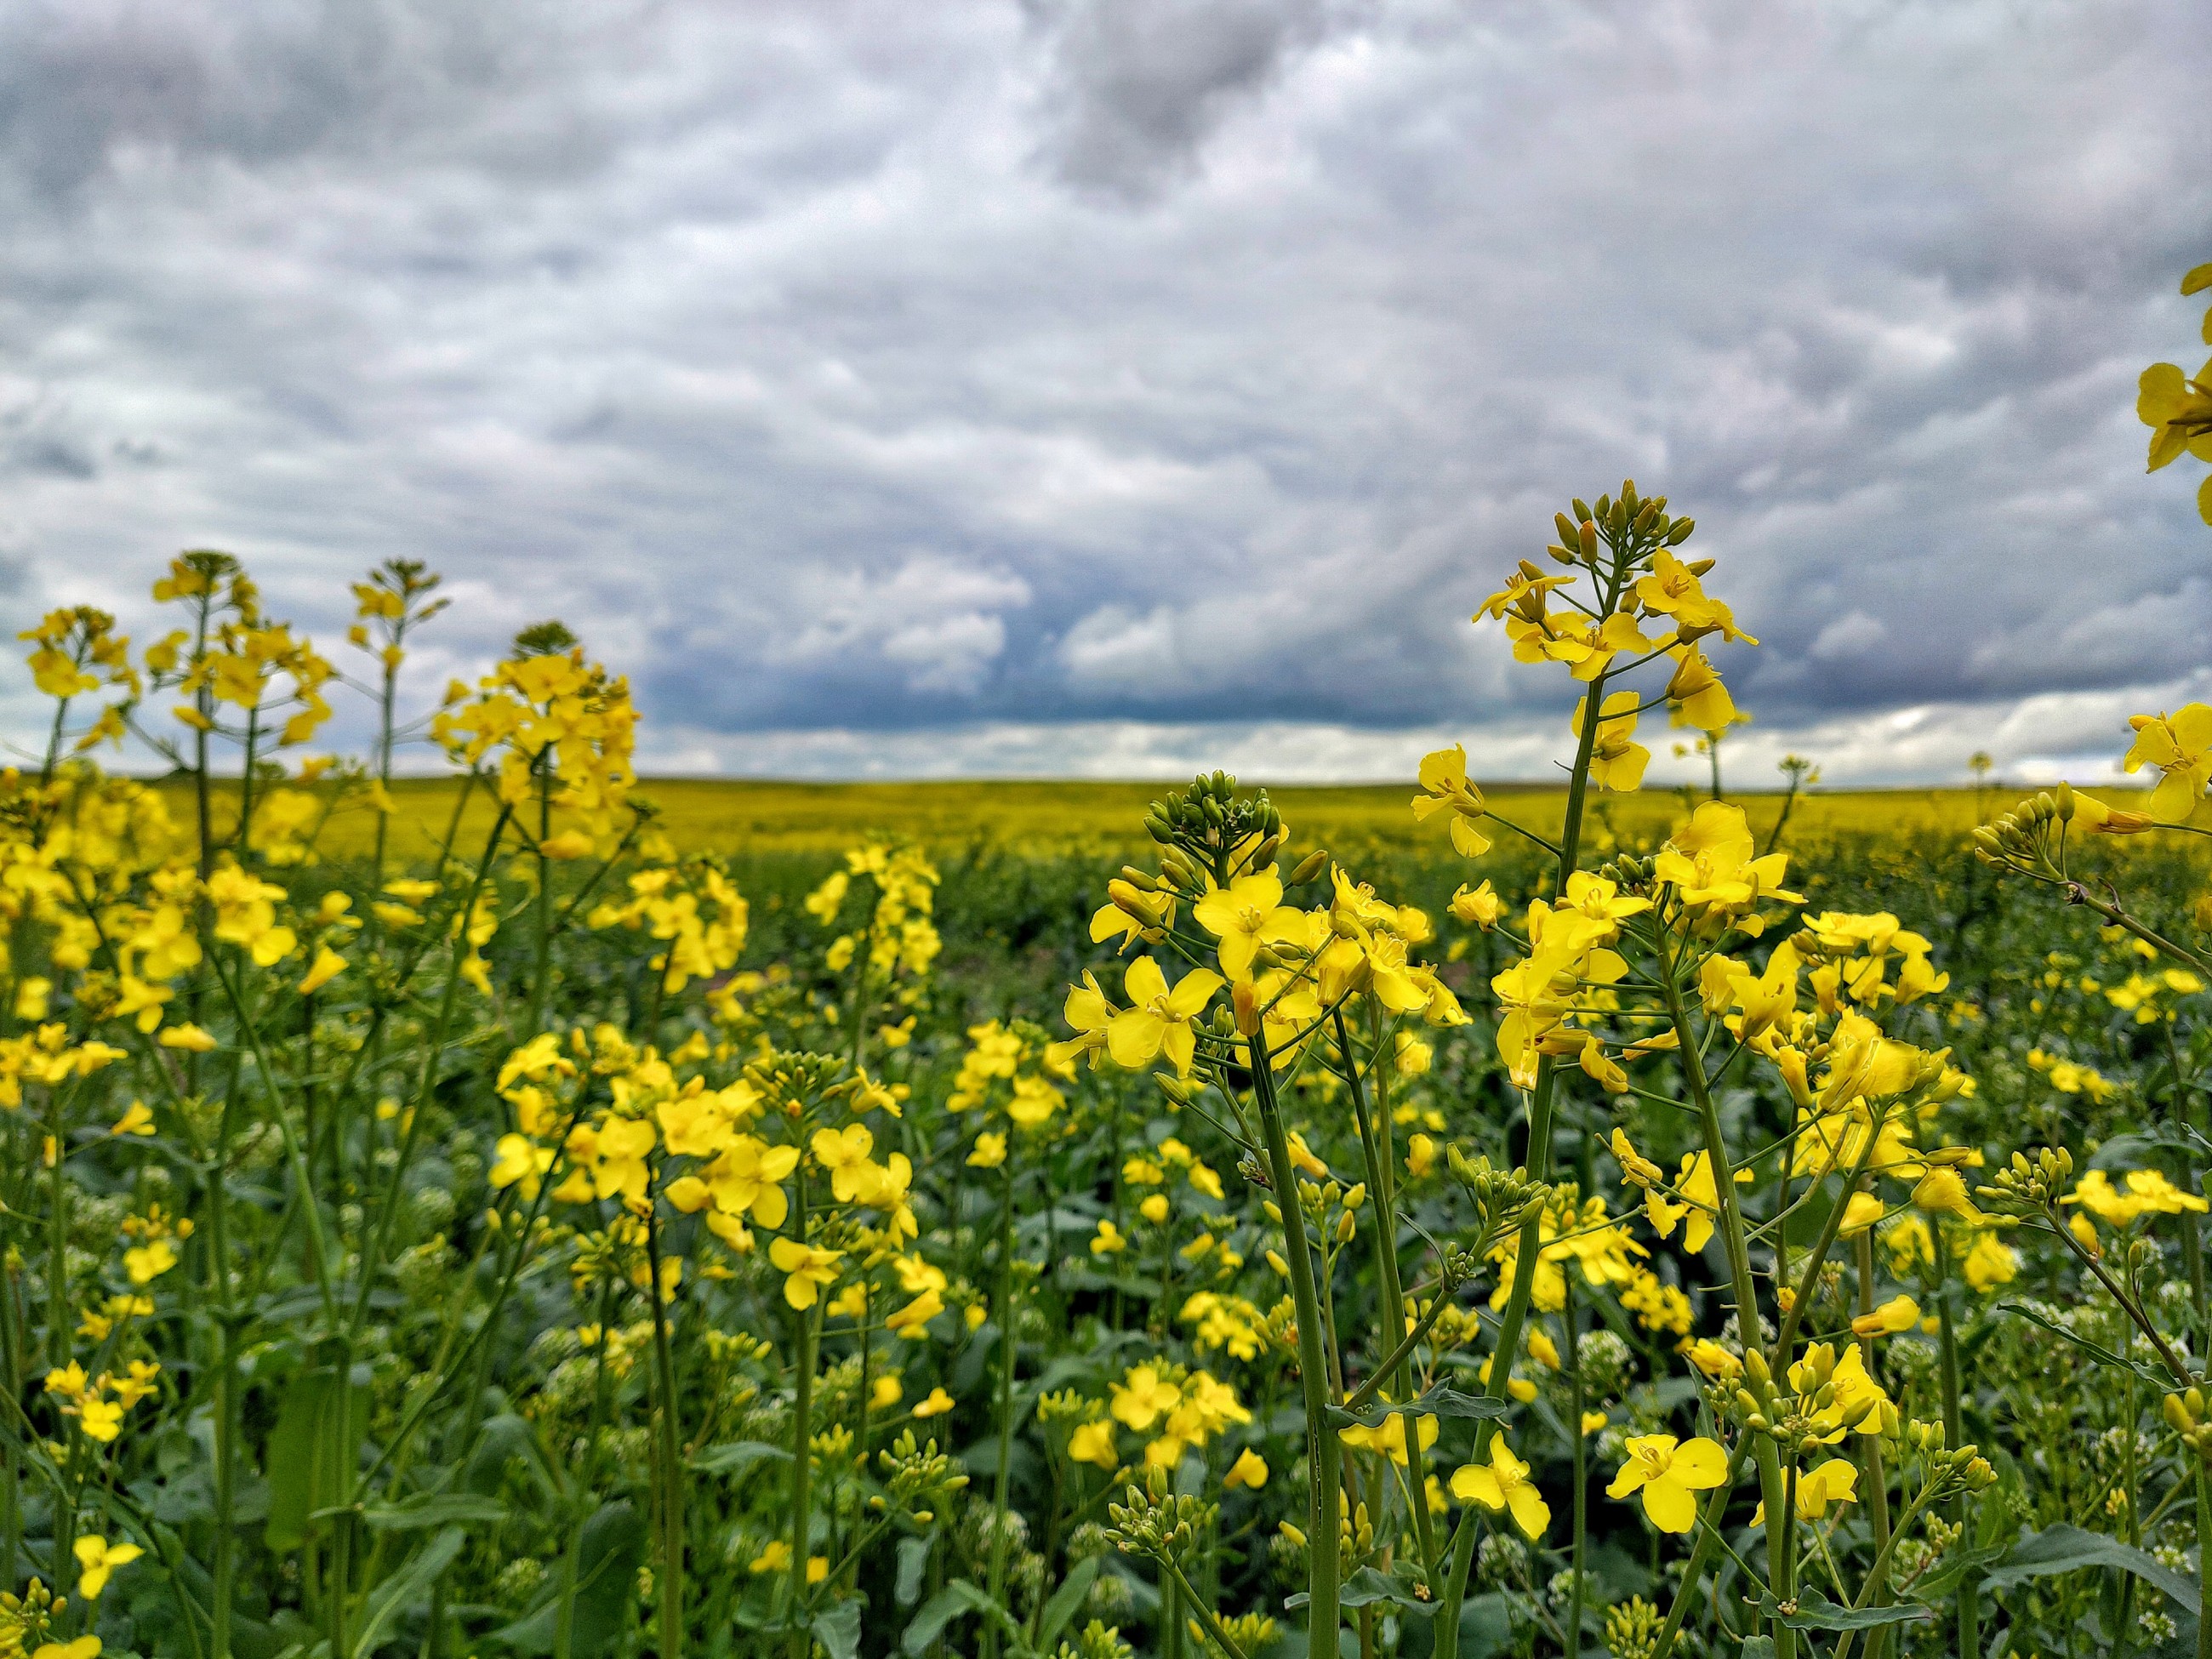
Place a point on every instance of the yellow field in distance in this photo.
(745, 817)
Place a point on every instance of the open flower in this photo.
(2180, 746)
(1505, 1485)
(1157, 1020)
(1666, 1471)
(97, 1559)
(805, 1269)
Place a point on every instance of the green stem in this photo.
(1875, 1493)
(1947, 1341)
(669, 1455)
(1323, 1451)
(802, 1434)
(999, 1490)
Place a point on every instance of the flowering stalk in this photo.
(1325, 1511)
(1000, 1530)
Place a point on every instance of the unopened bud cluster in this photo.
(2029, 1185)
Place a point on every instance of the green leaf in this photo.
(2103, 1355)
(308, 1449)
(2069, 1549)
(1441, 1401)
(430, 1508)
(736, 1456)
(1367, 1588)
(1067, 1600)
(411, 1583)
(1816, 1612)
(929, 1624)
(913, 1561)
(838, 1630)
(608, 1553)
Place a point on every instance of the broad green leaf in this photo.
(307, 1450)
(2069, 1549)
(1437, 1402)
(410, 1584)
(1067, 1602)
(736, 1456)
(838, 1630)
(433, 1509)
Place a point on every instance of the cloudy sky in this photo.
(1109, 386)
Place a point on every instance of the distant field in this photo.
(753, 819)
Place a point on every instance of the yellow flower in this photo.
(137, 1119)
(1990, 1263)
(1244, 916)
(1673, 589)
(1093, 1443)
(1390, 1439)
(1420, 1156)
(1142, 1397)
(1942, 1190)
(146, 1262)
(2148, 1192)
(189, 1038)
(1710, 863)
(1446, 788)
(1835, 1481)
(1617, 760)
(844, 1154)
(97, 1559)
(990, 1152)
(1109, 1240)
(1505, 1485)
(1899, 1313)
(2180, 746)
(818, 1569)
(1157, 1020)
(885, 1392)
(937, 1405)
(1701, 702)
(1666, 1471)
(1154, 1209)
(774, 1557)
(85, 1647)
(1593, 1421)
(327, 966)
(805, 1269)
(1249, 1470)
(1480, 906)
(519, 1158)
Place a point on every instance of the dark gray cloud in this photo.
(1051, 383)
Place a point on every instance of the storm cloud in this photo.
(1113, 385)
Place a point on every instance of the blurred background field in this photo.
(744, 819)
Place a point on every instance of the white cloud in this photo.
(1086, 369)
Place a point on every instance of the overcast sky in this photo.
(1112, 386)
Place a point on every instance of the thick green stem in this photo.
(802, 1435)
(1947, 1341)
(1374, 1145)
(1874, 1490)
(2203, 1562)
(999, 1531)
(1729, 1220)
(1323, 1451)
(668, 1448)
